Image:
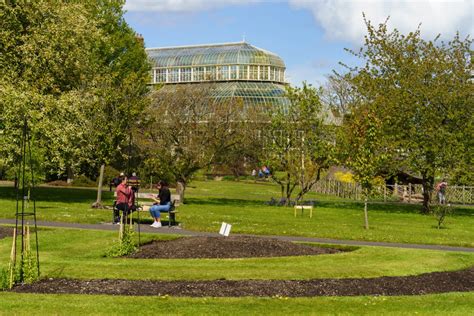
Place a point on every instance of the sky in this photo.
(309, 35)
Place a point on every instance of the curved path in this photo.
(174, 230)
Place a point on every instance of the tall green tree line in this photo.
(76, 71)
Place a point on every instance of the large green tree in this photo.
(44, 56)
(77, 72)
(422, 95)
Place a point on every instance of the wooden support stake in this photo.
(28, 245)
(11, 267)
(409, 192)
(121, 229)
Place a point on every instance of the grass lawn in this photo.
(35, 304)
(242, 204)
(75, 253)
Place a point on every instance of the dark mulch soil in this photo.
(437, 282)
(6, 232)
(226, 247)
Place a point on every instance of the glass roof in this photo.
(213, 54)
(252, 93)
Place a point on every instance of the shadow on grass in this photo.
(49, 194)
(224, 201)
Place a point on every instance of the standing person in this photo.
(124, 194)
(162, 204)
(441, 188)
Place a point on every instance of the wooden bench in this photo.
(145, 202)
(304, 207)
(171, 213)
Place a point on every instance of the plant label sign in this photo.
(225, 229)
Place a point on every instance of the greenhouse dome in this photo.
(234, 70)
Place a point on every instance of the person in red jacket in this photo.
(124, 196)
(441, 191)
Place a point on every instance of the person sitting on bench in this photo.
(124, 195)
(132, 206)
(162, 204)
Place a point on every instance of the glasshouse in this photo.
(233, 69)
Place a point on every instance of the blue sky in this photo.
(310, 35)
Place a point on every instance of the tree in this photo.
(189, 129)
(45, 59)
(298, 143)
(338, 95)
(422, 93)
(76, 70)
(363, 150)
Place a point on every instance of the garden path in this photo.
(176, 230)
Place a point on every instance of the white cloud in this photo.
(342, 19)
(312, 74)
(181, 5)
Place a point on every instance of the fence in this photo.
(411, 193)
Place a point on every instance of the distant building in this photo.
(238, 69)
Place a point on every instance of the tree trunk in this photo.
(366, 216)
(70, 174)
(180, 188)
(428, 184)
(288, 193)
(98, 203)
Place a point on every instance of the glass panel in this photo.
(198, 74)
(173, 75)
(243, 72)
(223, 73)
(161, 75)
(263, 72)
(272, 73)
(253, 75)
(233, 72)
(210, 73)
(186, 74)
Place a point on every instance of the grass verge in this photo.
(39, 304)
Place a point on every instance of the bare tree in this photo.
(338, 94)
(188, 129)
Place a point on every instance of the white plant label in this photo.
(225, 229)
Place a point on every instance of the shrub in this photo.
(346, 177)
(4, 280)
(28, 268)
(59, 183)
(125, 245)
(109, 173)
(440, 211)
(83, 181)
